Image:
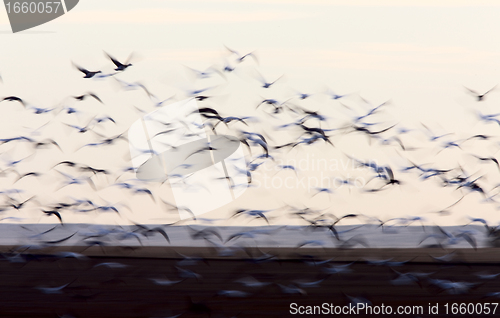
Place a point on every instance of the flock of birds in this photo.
(303, 123)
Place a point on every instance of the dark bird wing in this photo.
(96, 97)
(81, 69)
(161, 231)
(390, 174)
(115, 61)
(60, 240)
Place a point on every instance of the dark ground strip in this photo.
(129, 292)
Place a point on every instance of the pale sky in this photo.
(418, 54)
